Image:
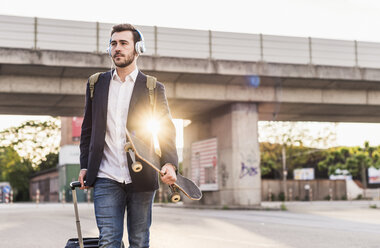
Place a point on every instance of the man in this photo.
(121, 99)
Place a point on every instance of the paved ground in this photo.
(309, 225)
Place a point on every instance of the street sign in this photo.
(304, 174)
(6, 189)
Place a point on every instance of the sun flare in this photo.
(153, 126)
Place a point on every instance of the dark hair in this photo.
(126, 27)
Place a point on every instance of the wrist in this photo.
(174, 167)
(171, 165)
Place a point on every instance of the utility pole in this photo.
(364, 178)
(284, 171)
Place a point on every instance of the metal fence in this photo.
(52, 34)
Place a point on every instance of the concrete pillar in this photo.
(238, 164)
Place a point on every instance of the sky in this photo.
(333, 19)
(336, 19)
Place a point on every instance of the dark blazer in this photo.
(94, 129)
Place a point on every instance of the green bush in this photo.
(281, 196)
(283, 207)
(225, 207)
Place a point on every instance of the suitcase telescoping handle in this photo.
(74, 185)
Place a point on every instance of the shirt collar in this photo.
(131, 77)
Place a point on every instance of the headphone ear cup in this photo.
(140, 47)
(143, 48)
(137, 48)
(109, 51)
(109, 48)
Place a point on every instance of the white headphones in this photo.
(139, 46)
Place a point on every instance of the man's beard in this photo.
(126, 62)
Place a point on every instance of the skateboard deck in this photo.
(138, 149)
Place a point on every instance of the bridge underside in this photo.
(47, 83)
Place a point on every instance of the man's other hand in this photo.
(81, 177)
(168, 174)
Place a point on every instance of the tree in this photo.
(26, 149)
(270, 160)
(17, 171)
(48, 162)
(297, 157)
(33, 140)
(292, 136)
(355, 160)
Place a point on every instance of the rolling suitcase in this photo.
(87, 243)
(80, 242)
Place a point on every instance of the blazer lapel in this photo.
(138, 90)
(103, 88)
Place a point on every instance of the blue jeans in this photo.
(111, 199)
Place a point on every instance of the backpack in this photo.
(150, 84)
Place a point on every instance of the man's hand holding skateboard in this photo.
(169, 175)
(141, 153)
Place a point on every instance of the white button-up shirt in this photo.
(114, 164)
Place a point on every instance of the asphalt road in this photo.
(306, 226)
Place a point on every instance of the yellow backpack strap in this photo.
(151, 85)
(92, 81)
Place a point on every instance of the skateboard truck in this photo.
(174, 196)
(136, 165)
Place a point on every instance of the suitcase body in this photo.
(87, 243)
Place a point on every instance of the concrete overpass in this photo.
(211, 78)
(53, 83)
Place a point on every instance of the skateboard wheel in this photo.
(175, 197)
(136, 166)
(127, 146)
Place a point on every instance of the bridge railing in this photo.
(66, 35)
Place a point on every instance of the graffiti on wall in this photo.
(248, 170)
(248, 162)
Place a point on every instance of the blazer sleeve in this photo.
(167, 133)
(85, 137)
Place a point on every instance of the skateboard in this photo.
(137, 149)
